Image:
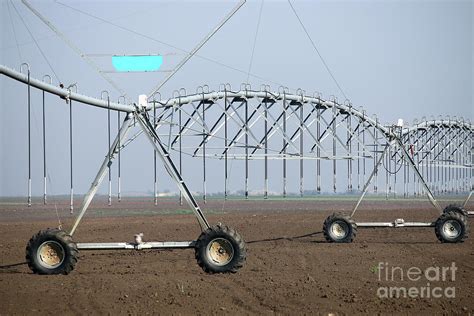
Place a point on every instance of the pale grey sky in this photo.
(398, 59)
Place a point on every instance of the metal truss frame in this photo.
(236, 102)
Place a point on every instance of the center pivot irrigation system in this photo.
(262, 125)
(432, 156)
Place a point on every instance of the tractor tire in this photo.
(339, 228)
(451, 227)
(51, 251)
(220, 249)
(455, 208)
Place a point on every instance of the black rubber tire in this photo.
(63, 243)
(457, 218)
(230, 237)
(455, 208)
(345, 222)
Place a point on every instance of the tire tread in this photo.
(340, 216)
(220, 230)
(60, 236)
(452, 215)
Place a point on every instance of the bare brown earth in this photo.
(290, 268)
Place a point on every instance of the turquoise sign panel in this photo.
(137, 63)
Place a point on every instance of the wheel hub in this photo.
(220, 251)
(50, 254)
(339, 229)
(452, 229)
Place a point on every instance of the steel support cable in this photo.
(14, 32)
(349, 144)
(36, 43)
(225, 146)
(74, 47)
(74, 26)
(246, 149)
(318, 149)
(334, 162)
(155, 188)
(317, 50)
(190, 54)
(204, 140)
(45, 170)
(198, 47)
(71, 206)
(229, 173)
(301, 150)
(180, 121)
(46, 173)
(285, 107)
(255, 39)
(110, 158)
(167, 44)
(44, 149)
(29, 139)
(118, 158)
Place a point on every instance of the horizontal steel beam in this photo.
(144, 245)
(214, 95)
(394, 224)
(64, 93)
(439, 123)
(288, 156)
(249, 94)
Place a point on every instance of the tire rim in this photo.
(339, 230)
(50, 254)
(452, 229)
(220, 251)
